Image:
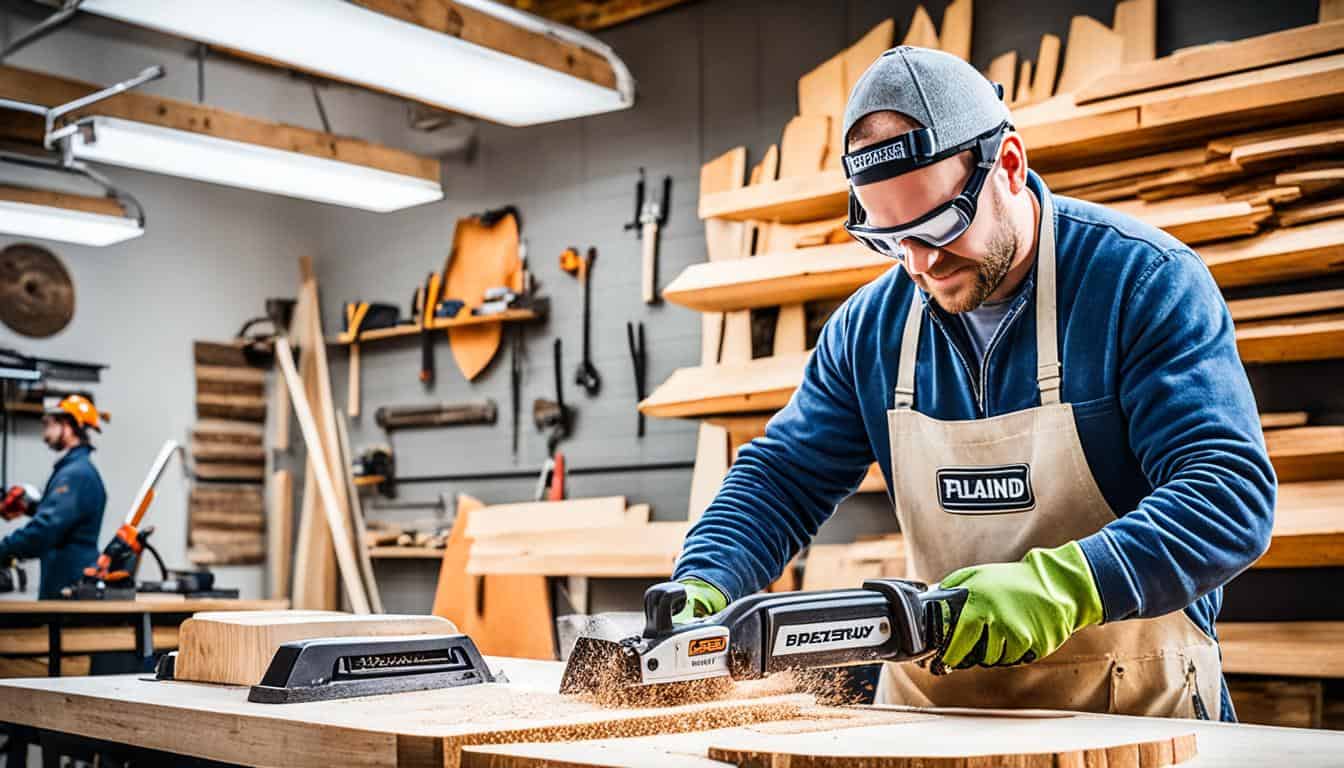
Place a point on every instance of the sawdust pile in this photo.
(610, 687)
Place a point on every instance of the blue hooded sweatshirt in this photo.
(64, 529)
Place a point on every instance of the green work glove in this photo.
(702, 599)
(1021, 612)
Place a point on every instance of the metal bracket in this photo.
(43, 28)
(66, 164)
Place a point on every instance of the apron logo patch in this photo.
(985, 490)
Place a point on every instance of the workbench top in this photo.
(16, 603)
(431, 727)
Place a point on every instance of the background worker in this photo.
(1054, 394)
(63, 531)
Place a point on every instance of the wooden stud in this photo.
(1047, 65)
(357, 516)
(921, 32)
(1094, 50)
(1136, 22)
(280, 532)
(955, 37)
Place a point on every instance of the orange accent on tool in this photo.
(140, 511)
(557, 490)
(570, 260)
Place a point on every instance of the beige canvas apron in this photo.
(1137, 667)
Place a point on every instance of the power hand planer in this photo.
(885, 620)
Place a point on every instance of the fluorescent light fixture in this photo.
(190, 155)
(346, 42)
(65, 224)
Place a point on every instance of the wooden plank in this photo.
(921, 32)
(1282, 419)
(1295, 648)
(1224, 146)
(758, 385)
(623, 551)
(1283, 703)
(1199, 218)
(225, 431)
(491, 609)
(1288, 91)
(140, 106)
(711, 467)
(1330, 10)
(104, 206)
(225, 497)
(723, 239)
(1307, 144)
(358, 529)
(955, 34)
(232, 407)
(1305, 213)
(830, 271)
(1136, 22)
(209, 518)
(280, 532)
(406, 553)
(1306, 453)
(323, 476)
(1313, 337)
(1286, 304)
(1094, 50)
(144, 603)
(543, 516)
(1189, 180)
(1022, 94)
(1047, 64)
(1278, 255)
(1003, 70)
(1123, 169)
(1217, 60)
(593, 15)
(801, 198)
(1308, 526)
(236, 647)
(211, 452)
(1312, 178)
(803, 146)
(472, 25)
(229, 470)
(230, 380)
(33, 640)
(726, 171)
(822, 93)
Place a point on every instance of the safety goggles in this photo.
(939, 226)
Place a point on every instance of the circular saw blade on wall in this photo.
(37, 297)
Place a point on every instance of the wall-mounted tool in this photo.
(436, 414)
(585, 375)
(37, 296)
(553, 415)
(376, 466)
(640, 360)
(650, 216)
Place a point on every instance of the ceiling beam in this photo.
(50, 90)
(592, 15)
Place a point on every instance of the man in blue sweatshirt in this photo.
(1053, 392)
(68, 516)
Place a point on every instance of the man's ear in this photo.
(1013, 160)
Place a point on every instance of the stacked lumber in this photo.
(226, 517)
(845, 566)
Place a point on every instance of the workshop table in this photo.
(19, 610)
(218, 725)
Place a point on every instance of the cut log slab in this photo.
(231, 432)
(208, 452)
(220, 353)
(218, 519)
(229, 380)
(1278, 255)
(229, 470)
(235, 647)
(226, 498)
(233, 407)
(758, 385)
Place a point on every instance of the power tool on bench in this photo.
(885, 620)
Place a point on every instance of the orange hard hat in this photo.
(81, 410)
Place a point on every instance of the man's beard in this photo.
(989, 273)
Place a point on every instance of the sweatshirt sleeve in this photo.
(785, 484)
(57, 513)
(1195, 429)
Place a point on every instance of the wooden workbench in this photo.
(431, 727)
(19, 611)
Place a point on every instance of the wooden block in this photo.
(1278, 255)
(1305, 213)
(801, 198)
(1297, 648)
(1286, 305)
(1282, 419)
(1212, 61)
(921, 32)
(1313, 337)
(229, 470)
(229, 380)
(711, 467)
(1308, 526)
(233, 407)
(759, 385)
(832, 271)
(223, 431)
(1094, 50)
(1003, 70)
(803, 147)
(280, 532)
(210, 452)
(1284, 703)
(1047, 65)
(219, 353)
(617, 551)
(219, 519)
(1136, 22)
(225, 497)
(542, 516)
(955, 36)
(236, 647)
(1306, 453)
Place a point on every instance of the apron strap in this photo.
(905, 374)
(1048, 368)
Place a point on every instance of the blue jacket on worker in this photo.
(64, 530)
(1165, 414)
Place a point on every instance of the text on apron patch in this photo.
(985, 490)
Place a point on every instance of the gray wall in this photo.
(712, 75)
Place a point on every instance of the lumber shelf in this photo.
(794, 199)
(437, 324)
(765, 384)
(1308, 526)
(406, 553)
(1292, 339)
(772, 279)
(1293, 648)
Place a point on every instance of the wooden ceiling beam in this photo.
(592, 15)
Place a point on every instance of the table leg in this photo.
(144, 641)
(54, 646)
